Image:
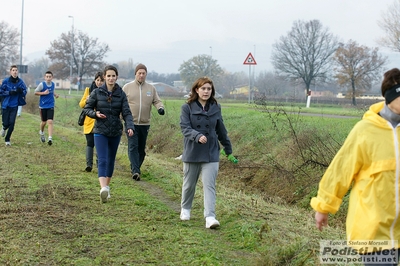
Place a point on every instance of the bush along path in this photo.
(51, 214)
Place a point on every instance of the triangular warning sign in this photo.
(250, 60)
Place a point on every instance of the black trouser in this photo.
(137, 147)
(8, 116)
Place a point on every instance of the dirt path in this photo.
(160, 195)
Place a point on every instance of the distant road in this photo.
(327, 115)
(323, 115)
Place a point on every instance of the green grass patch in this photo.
(51, 214)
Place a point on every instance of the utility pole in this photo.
(22, 31)
(72, 55)
(210, 61)
(24, 70)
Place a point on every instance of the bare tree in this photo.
(270, 83)
(199, 66)
(8, 46)
(390, 24)
(305, 53)
(126, 69)
(228, 82)
(357, 67)
(39, 67)
(87, 54)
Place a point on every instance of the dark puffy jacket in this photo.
(111, 126)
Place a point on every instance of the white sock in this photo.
(41, 132)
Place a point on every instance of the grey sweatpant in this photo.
(191, 174)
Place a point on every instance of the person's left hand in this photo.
(203, 139)
(20, 90)
(161, 111)
(130, 132)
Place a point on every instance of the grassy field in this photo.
(50, 211)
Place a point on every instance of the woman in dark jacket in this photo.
(203, 128)
(106, 104)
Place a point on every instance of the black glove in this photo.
(13, 93)
(161, 111)
(20, 90)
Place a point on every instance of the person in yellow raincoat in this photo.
(369, 163)
(89, 122)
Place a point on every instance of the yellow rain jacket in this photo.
(369, 161)
(89, 122)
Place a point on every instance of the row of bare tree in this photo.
(310, 52)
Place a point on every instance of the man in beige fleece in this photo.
(141, 96)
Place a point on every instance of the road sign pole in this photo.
(249, 61)
(249, 83)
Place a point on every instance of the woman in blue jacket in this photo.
(203, 128)
(107, 104)
(13, 91)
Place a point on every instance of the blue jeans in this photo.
(137, 147)
(8, 116)
(106, 148)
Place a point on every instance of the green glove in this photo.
(223, 152)
(230, 157)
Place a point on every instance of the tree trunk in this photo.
(354, 94)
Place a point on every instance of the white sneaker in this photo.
(185, 215)
(211, 223)
(8, 143)
(42, 137)
(3, 132)
(104, 194)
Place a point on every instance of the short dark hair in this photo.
(99, 75)
(48, 72)
(13, 66)
(110, 67)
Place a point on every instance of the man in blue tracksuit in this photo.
(13, 91)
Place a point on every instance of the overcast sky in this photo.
(163, 34)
